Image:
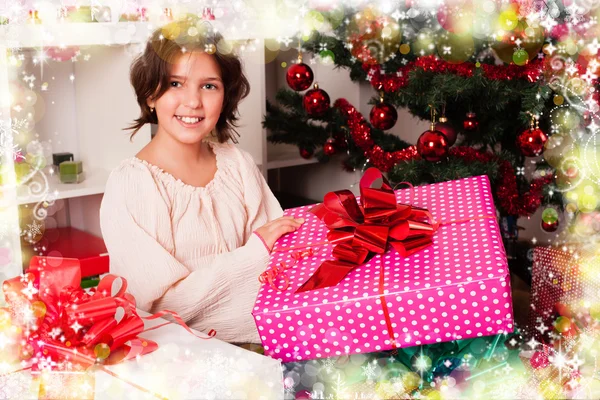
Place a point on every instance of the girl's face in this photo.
(190, 108)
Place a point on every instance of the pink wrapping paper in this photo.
(457, 288)
(556, 278)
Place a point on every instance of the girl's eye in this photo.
(175, 84)
(210, 86)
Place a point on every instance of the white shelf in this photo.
(77, 33)
(281, 156)
(94, 183)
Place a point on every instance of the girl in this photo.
(186, 221)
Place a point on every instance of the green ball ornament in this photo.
(550, 220)
(327, 56)
(520, 57)
(550, 215)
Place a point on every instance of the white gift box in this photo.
(183, 367)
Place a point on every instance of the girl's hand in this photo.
(275, 229)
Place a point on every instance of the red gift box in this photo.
(69, 242)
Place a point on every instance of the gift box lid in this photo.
(70, 242)
(466, 248)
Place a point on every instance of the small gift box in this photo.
(71, 172)
(411, 267)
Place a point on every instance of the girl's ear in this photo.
(150, 103)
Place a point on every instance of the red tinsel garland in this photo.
(508, 195)
(391, 83)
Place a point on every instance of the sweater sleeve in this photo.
(136, 226)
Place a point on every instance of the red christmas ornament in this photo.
(550, 226)
(448, 131)
(306, 153)
(531, 142)
(316, 101)
(432, 145)
(329, 147)
(512, 200)
(299, 77)
(470, 123)
(383, 116)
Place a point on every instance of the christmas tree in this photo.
(492, 102)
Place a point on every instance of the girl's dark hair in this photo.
(150, 71)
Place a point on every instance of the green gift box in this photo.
(71, 172)
(70, 167)
(22, 170)
(72, 178)
(81, 14)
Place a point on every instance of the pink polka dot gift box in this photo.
(390, 269)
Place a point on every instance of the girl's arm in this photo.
(136, 225)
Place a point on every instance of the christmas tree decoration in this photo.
(518, 36)
(448, 131)
(340, 140)
(412, 76)
(446, 128)
(365, 36)
(531, 141)
(520, 56)
(329, 147)
(550, 219)
(316, 102)
(470, 123)
(455, 18)
(383, 115)
(299, 76)
(306, 153)
(432, 145)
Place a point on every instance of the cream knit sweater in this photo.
(190, 249)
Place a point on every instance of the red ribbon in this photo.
(361, 230)
(76, 321)
(270, 275)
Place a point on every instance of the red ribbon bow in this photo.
(62, 324)
(360, 230)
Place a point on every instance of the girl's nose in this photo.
(194, 99)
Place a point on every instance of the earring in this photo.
(151, 110)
